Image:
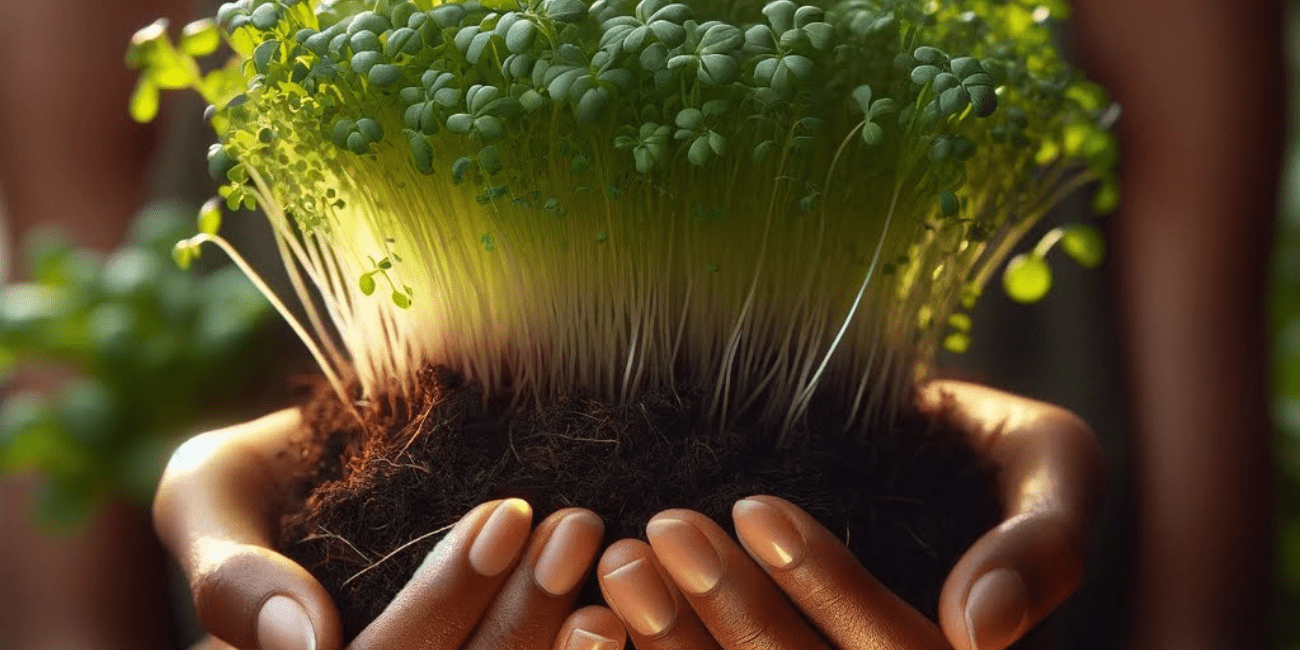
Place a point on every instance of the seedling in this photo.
(554, 197)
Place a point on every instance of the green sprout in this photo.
(759, 200)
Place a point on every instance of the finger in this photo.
(1049, 482)
(591, 628)
(741, 606)
(445, 599)
(532, 605)
(217, 510)
(826, 582)
(653, 612)
(212, 643)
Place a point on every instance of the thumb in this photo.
(217, 510)
(1049, 477)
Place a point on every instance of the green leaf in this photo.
(819, 34)
(948, 203)
(265, 16)
(263, 54)
(872, 134)
(965, 66)
(401, 300)
(367, 283)
(698, 154)
(923, 74)
(953, 100)
(930, 55)
(566, 11)
(144, 100)
(984, 99)
(1027, 278)
(384, 74)
(200, 38)
(460, 123)
(1106, 200)
(862, 97)
(941, 149)
(1085, 244)
(956, 342)
(780, 15)
(690, 118)
(521, 36)
(183, 254)
(210, 216)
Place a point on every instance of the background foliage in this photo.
(137, 351)
(1286, 362)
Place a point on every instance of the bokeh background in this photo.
(1063, 350)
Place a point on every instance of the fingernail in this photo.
(568, 552)
(502, 538)
(283, 624)
(584, 640)
(768, 533)
(639, 595)
(996, 609)
(686, 553)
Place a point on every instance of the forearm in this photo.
(70, 154)
(1201, 84)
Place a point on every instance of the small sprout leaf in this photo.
(690, 118)
(1027, 278)
(948, 203)
(953, 100)
(873, 134)
(923, 74)
(265, 17)
(183, 254)
(400, 299)
(862, 97)
(200, 38)
(370, 129)
(521, 36)
(698, 154)
(566, 11)
(263, 54)
(984, 99)
(385, 74)
(367, 283)
(957, 342)
(209, 220)
(144, 100)
(1085, 244)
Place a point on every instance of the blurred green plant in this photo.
(148, 348)
(1285, 325)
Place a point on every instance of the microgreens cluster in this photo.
(558, 197)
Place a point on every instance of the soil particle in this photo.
(908, 502)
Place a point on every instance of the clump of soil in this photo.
(908, 503)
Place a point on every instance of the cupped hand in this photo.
(692, 587)
(492, 583)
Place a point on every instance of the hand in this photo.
(693, 588)
(489, 584)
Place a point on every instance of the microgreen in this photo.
(549, 172)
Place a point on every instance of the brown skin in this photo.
(1050, 468)
(1201, 82)
(214, 514)
(1200, 173)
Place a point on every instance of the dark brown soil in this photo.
(908, 503)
